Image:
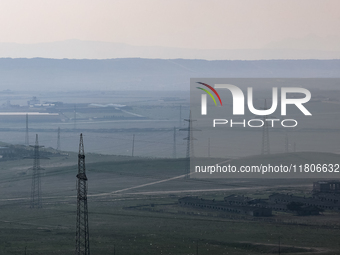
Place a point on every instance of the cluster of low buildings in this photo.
(224, 207)
(326, 196)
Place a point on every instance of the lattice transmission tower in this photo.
(82, 228)
(36, 182)
(190, 143)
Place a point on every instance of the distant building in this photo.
(309, 201)
(237, 200)
(331, 186)
(328, 197)
(42, 105)
(308, 210)
(242, 200)
(33, 101)
(8, 105)
(223, 206)
(5, 152)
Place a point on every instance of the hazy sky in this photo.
(206, 24)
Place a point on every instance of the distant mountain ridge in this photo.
(78, 49)
(147, 74)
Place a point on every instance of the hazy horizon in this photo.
(80, 49)
(245, 30)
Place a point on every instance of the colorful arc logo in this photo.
(208, 92)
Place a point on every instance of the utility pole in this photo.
(174, 147)
(36, 183)
(75, 117)
(265, 133)
(286, 144)
(180, 116)
(26, 136)
(82, 228)
(209, 147)
(133, 145)
(58, 141)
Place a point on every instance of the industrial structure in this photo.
(308, 203)
(327, 186)
(326, 196)
(225, 207)
(82, 228)
(36, 182)
(279, 202)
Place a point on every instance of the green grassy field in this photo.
(118, 185)
(51, 230)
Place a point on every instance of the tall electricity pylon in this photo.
(190, 143)
(190, 138)
(82, 228)
(36, 184)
